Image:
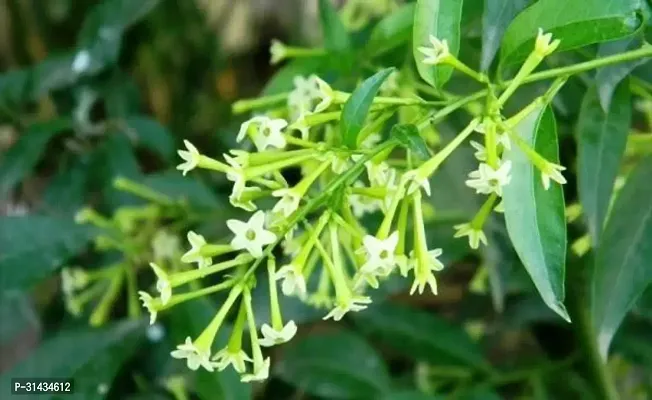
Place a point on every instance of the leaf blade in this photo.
(602, 138)
(622, 270)
(537, 227)
(495, 19)
(441, 19)
(335, 36)
(356, 108)
(392, 31)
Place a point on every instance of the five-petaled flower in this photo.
(272, 337)
(251, 235)
(194, 356)
(191, 158)
(436, 52)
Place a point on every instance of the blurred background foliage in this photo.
(94, 90)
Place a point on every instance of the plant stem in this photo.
(579, 300)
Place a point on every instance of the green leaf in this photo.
(421, 335)
(34, 246)
(337, 365)
(608, 78)
(356, 108)
(17, 307)
(23, 156)
(602, 137)
(183, 188)
(495, 19)
(116, 158)
(392, 31)
(409, 395)
(408, 136)
(535, 216)
(67, 190)
(622, 268)
(441, 19)
(90, 356)
(335, 36)
(152, 135)
(575, 23)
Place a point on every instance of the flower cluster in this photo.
(331, 259)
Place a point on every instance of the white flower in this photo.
(352, 303)
(486, 180)
(380, 253)
(162, 284)
(371, 140)
(273, 337)
(480, 152)
(224, 358)
(73, 279)
(251, 235)
(404, 264)
(277, 51)
(241, 197)
(416, 182)
(194, 356)
(543, 46)
(260, 372)
(504, 140)
(339, 164)
(324, 95)
(245, 127)
(293, 281)
(191, 158)
(378, 173)
(165, 245)
(552, 171)
(424, 272)
(148, 303)
(235, 174)
(361, 204)
(362, 278)
(300, 125)
(436, 53)
(475, 235)
(194, 254)
(288, 203)
(270, 134)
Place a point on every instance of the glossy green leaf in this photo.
(90, 356)
(392, 31)
(67, 190)
(622, 266)
(441, 19)
(22, 157)
(335, 36)
(575, 23)
(408, 136)
(608, 78)
(152, 135)
(535, 216)
(602, 137)
(356, 108)
(495, 19)
(34, 246)
(421, 335)
(337, 365)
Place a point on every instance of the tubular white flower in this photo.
(194, 254)
(195, 358)
(223, 358)
(288, 203)
(380, 253)
(543, 45)
(423, 272)
(294, 284)
(436, 53)
(552, 171)
(324, 95)
(415, 182)
(486, 180)
(162, 284)
(191, 158)
(272, 337)
(241, 197)
(370, 141)
(245, 127)
(475, 235)
(148, 303)
(353, 303)
(236, 173)
(480, 151)
(165, 245)
(260, 372)
(378, 173)
(270, 134)
(251, 235)
(277, 51)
